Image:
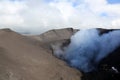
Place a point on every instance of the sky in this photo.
(38, 16)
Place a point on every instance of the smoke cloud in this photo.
(88, 48)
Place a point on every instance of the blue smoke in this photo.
(88, 48)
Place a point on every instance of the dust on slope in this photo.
(20, 59)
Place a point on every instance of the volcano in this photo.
(37, 57)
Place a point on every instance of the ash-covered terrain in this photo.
(64, 54)
(26, 58)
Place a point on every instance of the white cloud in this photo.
(36, 16)
(115, 23)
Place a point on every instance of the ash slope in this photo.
(21, 58)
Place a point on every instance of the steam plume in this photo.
(88, 48)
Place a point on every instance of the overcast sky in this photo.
(37, 16)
